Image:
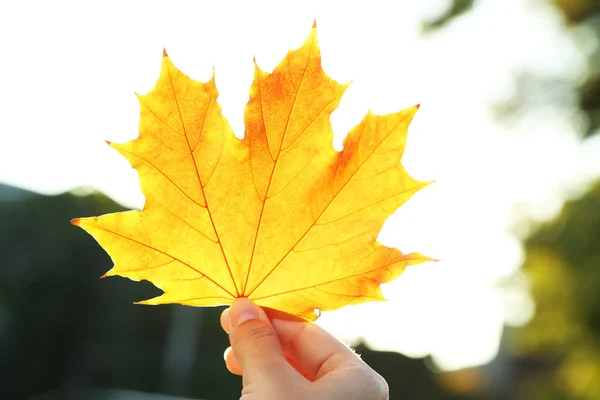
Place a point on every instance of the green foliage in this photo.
(455, 9)
(563, 265)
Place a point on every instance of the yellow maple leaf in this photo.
(280, 217)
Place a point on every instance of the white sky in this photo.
(69, 71)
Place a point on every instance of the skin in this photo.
(282, 357)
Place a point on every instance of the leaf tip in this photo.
(419, 258)
(165, 52)
(425, 184)
(75, 221)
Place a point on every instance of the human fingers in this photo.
(357, 382)
(313, 350)
(337, 372)
(253, 339)
(232, 363)
(224, 318)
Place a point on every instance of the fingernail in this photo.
(241, 311)
(244, 316)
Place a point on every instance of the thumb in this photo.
(253, 339)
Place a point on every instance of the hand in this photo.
(282, 357)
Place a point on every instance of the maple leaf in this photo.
(280, 216)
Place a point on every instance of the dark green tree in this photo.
(560, 347)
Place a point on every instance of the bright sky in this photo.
(69, 71)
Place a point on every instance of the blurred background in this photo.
(508, 127)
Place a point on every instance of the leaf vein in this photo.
(165, 175)
(169, 255)
(200, 183)
(323, 211)
(264, 202)
(159, 118)
(367, 206)
(328, 282)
